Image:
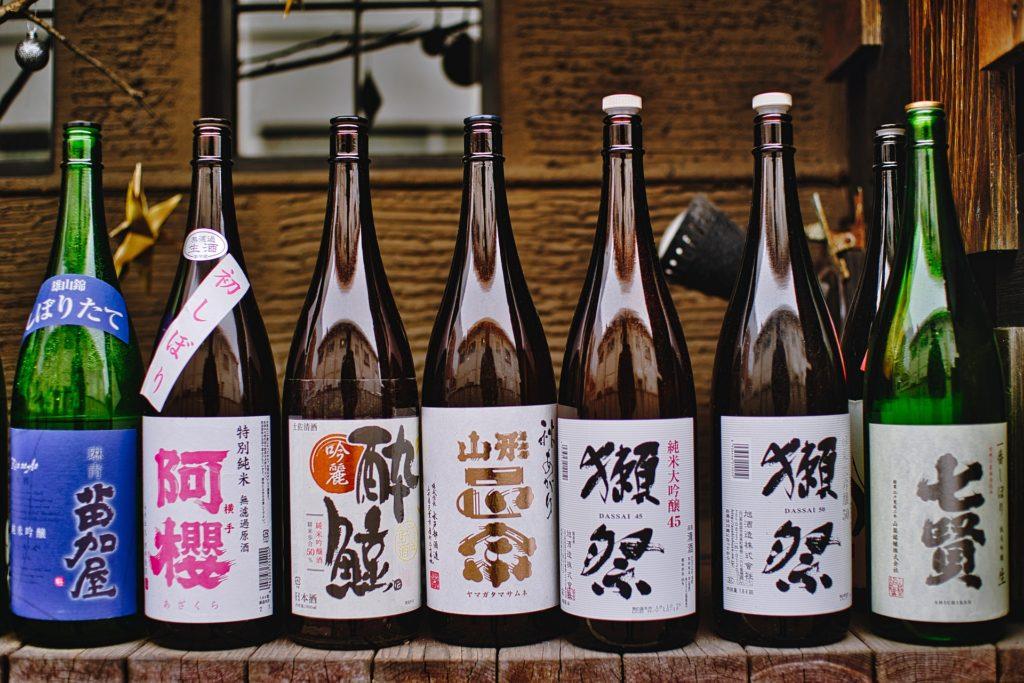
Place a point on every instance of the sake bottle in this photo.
(488, 430)
(352, 412)
(628, 546)
(211, 464)
(936, 424)
(880, 250)
(75, 408)
(781, 552)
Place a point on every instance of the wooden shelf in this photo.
(861, 656)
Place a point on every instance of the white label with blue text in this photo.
(785, 526)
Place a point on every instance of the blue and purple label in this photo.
(79, 300)
(74, 523)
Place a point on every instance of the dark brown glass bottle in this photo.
(488, 431)
(352, 425)
(781, 552)
(626, 429)
(890, 153)
(212, 470)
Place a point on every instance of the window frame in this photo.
(39, 167)
(219, 81)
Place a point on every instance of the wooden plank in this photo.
(580, 664)
(31, 663)
(1000, 33)
(903, 662)
(848, 660)
(428, 660)
(8, 645)
(980, 111)
(537, 663)
(284, 661)
(707, 658)
(158, 664)
(1010, 654)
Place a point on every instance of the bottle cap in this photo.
(890, 129)
(772, 102)
(923, 104)
(622, 104)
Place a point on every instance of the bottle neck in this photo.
(485, 225)
(881, 242)
(212, 204)
(777, 223)
(82, 242)
(624, 231)
(349, 235)
(930, 224)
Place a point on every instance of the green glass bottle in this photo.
(936, 425)
(74, 507)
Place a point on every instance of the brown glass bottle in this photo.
(210, 449)
(781, 550)
(488, 430)
(351, 385)
(626, 396)
(880, 251)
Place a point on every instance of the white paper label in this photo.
(786, 515)
(627, 518)
(857, 492)
(354, 511)
(938, 522)
(206, 518)
(491, 509)
(216, 295)
(203, 244)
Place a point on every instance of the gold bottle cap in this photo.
(923, 104)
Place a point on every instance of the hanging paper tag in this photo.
(79, 300)
(216, 295)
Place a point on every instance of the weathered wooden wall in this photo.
(696, 63)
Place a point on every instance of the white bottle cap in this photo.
(772, 102)
(622, 104)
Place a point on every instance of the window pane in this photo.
(26, 128)
(420, 107)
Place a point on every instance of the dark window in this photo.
(414, 68)
(26, 96)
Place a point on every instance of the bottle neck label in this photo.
(939, 522)
(215, 297)
(627, 519)
(489, 502)
(206, 518)
(204, 244)
(73, 524)
(354, 512)
(79, 300)
(785, 525)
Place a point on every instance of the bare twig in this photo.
(134, 93)
(15, 7)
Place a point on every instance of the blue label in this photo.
(79, 300)
(74, 523)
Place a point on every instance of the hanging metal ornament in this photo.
(461, 61)
(33, 53)
(370, 97)
(433, 40)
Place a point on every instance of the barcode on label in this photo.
(564, 464)
(740, 460)
(266, 572)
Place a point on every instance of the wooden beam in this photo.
(82, 665)
(848, 660)
(902, 662)
(1000, 33)
(282, 661)
(851, 29)
(707, 658)
(426, 659)
(982, 125)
